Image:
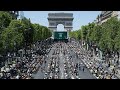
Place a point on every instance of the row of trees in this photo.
(105, 37)
(16, 34)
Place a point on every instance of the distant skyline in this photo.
(80, 17)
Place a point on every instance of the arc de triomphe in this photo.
(60, 18)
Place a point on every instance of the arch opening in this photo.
(60, 27)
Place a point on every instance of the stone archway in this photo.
(60, 18)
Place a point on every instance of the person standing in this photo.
(79, 67)
(83, 68)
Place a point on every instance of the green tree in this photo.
(5, 19)
(12, 37)
(28, 32)
(37, 32)
(117, 43)
(84, 32)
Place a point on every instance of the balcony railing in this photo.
(106, 15)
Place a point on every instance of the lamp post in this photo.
(5, 53)
(8, 51)
(25, 41)
(30, 46)
(26, 37)
(14, 48)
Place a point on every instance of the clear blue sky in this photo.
(80, 17)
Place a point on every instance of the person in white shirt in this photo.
(17, 77)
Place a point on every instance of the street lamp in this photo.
(30, 45)
(15, 48)
(26, 36)
(25, 41)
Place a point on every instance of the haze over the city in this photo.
(80, 17)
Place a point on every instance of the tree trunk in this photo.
(25, 49)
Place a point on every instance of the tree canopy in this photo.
(106, 36)
(15, 34)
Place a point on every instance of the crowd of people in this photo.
(62, 64)
(23, 67)
(61, 61)
(95, 66)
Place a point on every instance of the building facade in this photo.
(14, 14)
(105, 15)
